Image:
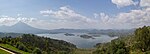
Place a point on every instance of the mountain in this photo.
(21, 27)
(62, 30)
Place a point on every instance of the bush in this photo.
(21, 46)
(142, 37)
(147, 52)
(121, 51)
(37, 51)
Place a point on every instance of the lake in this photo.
(79, 41)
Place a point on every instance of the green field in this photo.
(13, 48)
(3, 52)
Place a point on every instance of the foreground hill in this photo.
(138, 43)
(33, 44)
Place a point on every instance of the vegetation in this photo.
(34, 44)
(86, 37)
(139, 43)
(13, 48)
(83, 51)
(37, 51)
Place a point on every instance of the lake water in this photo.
(79, 41)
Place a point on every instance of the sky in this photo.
(76, 14)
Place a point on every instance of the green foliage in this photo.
(121, 51)
(3, 52)
(83, 51)
(137, 43)
(37, 51)
(13, 48)
(116, 46)
(147, 52)
(29, 42)
(142, 39)
(22, 47)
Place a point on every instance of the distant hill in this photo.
(62, 30)
(20, 27)
(10, 34)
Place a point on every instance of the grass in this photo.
(136, 52)
(3, 52)
(76, 51)
(13, 48)
(83, 51)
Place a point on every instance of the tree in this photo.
(121, 51)
(37, 51)
(21, 46)
(142, 36)
(118, 47)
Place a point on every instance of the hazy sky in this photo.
(76, 14)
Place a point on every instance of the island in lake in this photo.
(86, 36)
(69, 34)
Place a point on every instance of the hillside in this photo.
(139, 43)
(30, 43)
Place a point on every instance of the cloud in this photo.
(19, 15)
(95, 15)
(145, 3)
(132, 19)
(67, 15)
(45, 24)
(6, 20)
(102, 17)
(68, 18)
(137, 17)
(123, 3)
(63, 13)
(34, 22)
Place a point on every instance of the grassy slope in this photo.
(13, 48)
(76, 51)
(3, 52)
(83, 51)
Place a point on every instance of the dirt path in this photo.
(7, 51)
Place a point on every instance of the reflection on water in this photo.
(79, 41)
